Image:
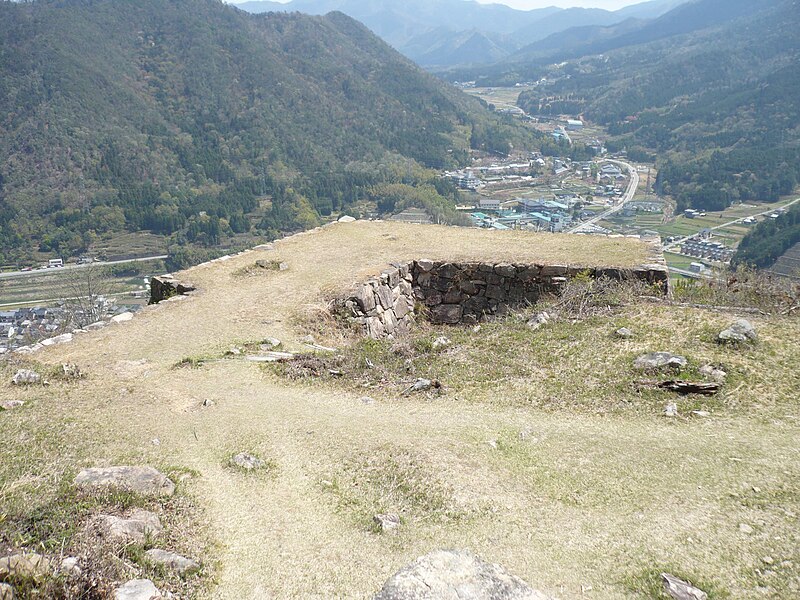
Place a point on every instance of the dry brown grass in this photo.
(602, 492)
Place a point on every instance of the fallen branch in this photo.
(684, 387)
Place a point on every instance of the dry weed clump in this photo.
(742, 287)
(584, 296)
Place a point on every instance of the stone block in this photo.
(433, 298)
(392, 276)
(447, 313)
(424, 265)
(505, 270)
(423, 279)
(553, 271)
(447, 271)
(452, 297)
(495, 292)
(384, 296)
(365, 298)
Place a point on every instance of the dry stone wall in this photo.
(464, 293)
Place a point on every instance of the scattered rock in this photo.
(138, 589)
(24, 566)
(741, 331)
(623, 333)
(660, 360)
(346, 219)
(671, 410)
(745, 528)
(140, 480)
(122, 317)
(441, 342)
(701, 413)
(526, 434)
(713, 373)
(135, 527)
(246, 461)
(166, 287)
(492, 444)
(233, 351)
(455, 575)
(538, 320)
(26, 377)
(768, 560)
(388, 522)
(64, 338)
(155, 442)
(681, 590)
(70, 567)
(271, 343)
(6, 592)
(367, 400)
(269, 357)
(70, 371)
(11, 404)
(422, 385)
(209, 402)
(171, 560)
(283, 267)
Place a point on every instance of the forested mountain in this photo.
(719, 106)
(447, 33)
(182, 116)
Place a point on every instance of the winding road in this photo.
(627, 197)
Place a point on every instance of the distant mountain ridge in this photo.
(447, 33)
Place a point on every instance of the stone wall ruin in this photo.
(466, 292)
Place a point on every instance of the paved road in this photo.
(666, 247)
(73, 267)
(627, 197)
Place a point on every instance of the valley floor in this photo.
(542, 455)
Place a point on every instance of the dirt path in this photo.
(585, 510)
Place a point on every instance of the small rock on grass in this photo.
(745, 528)
(671, 410)
(26, 377)
(138, 589)
(145, 481)
(24, 566)
(388, 522)
(681, 590)
(660, 360)
(713, 373)
(741, 331)
(538, 320)
(11, 404)
(441, 342)
(623, 333)
(136, 527)
(171, 560)
(245, 461)
(70, 567)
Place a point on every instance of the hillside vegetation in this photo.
(193, 119)
(770, 240)
(718, 106)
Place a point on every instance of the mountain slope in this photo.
(433, 32)
(719, 106)
(177, 116)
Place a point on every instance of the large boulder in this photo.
(741, 331)
(166, 286)
(145, 481)
(455, 575)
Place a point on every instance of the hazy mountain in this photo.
(446, 33)
(143, 114)
(715, 96)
